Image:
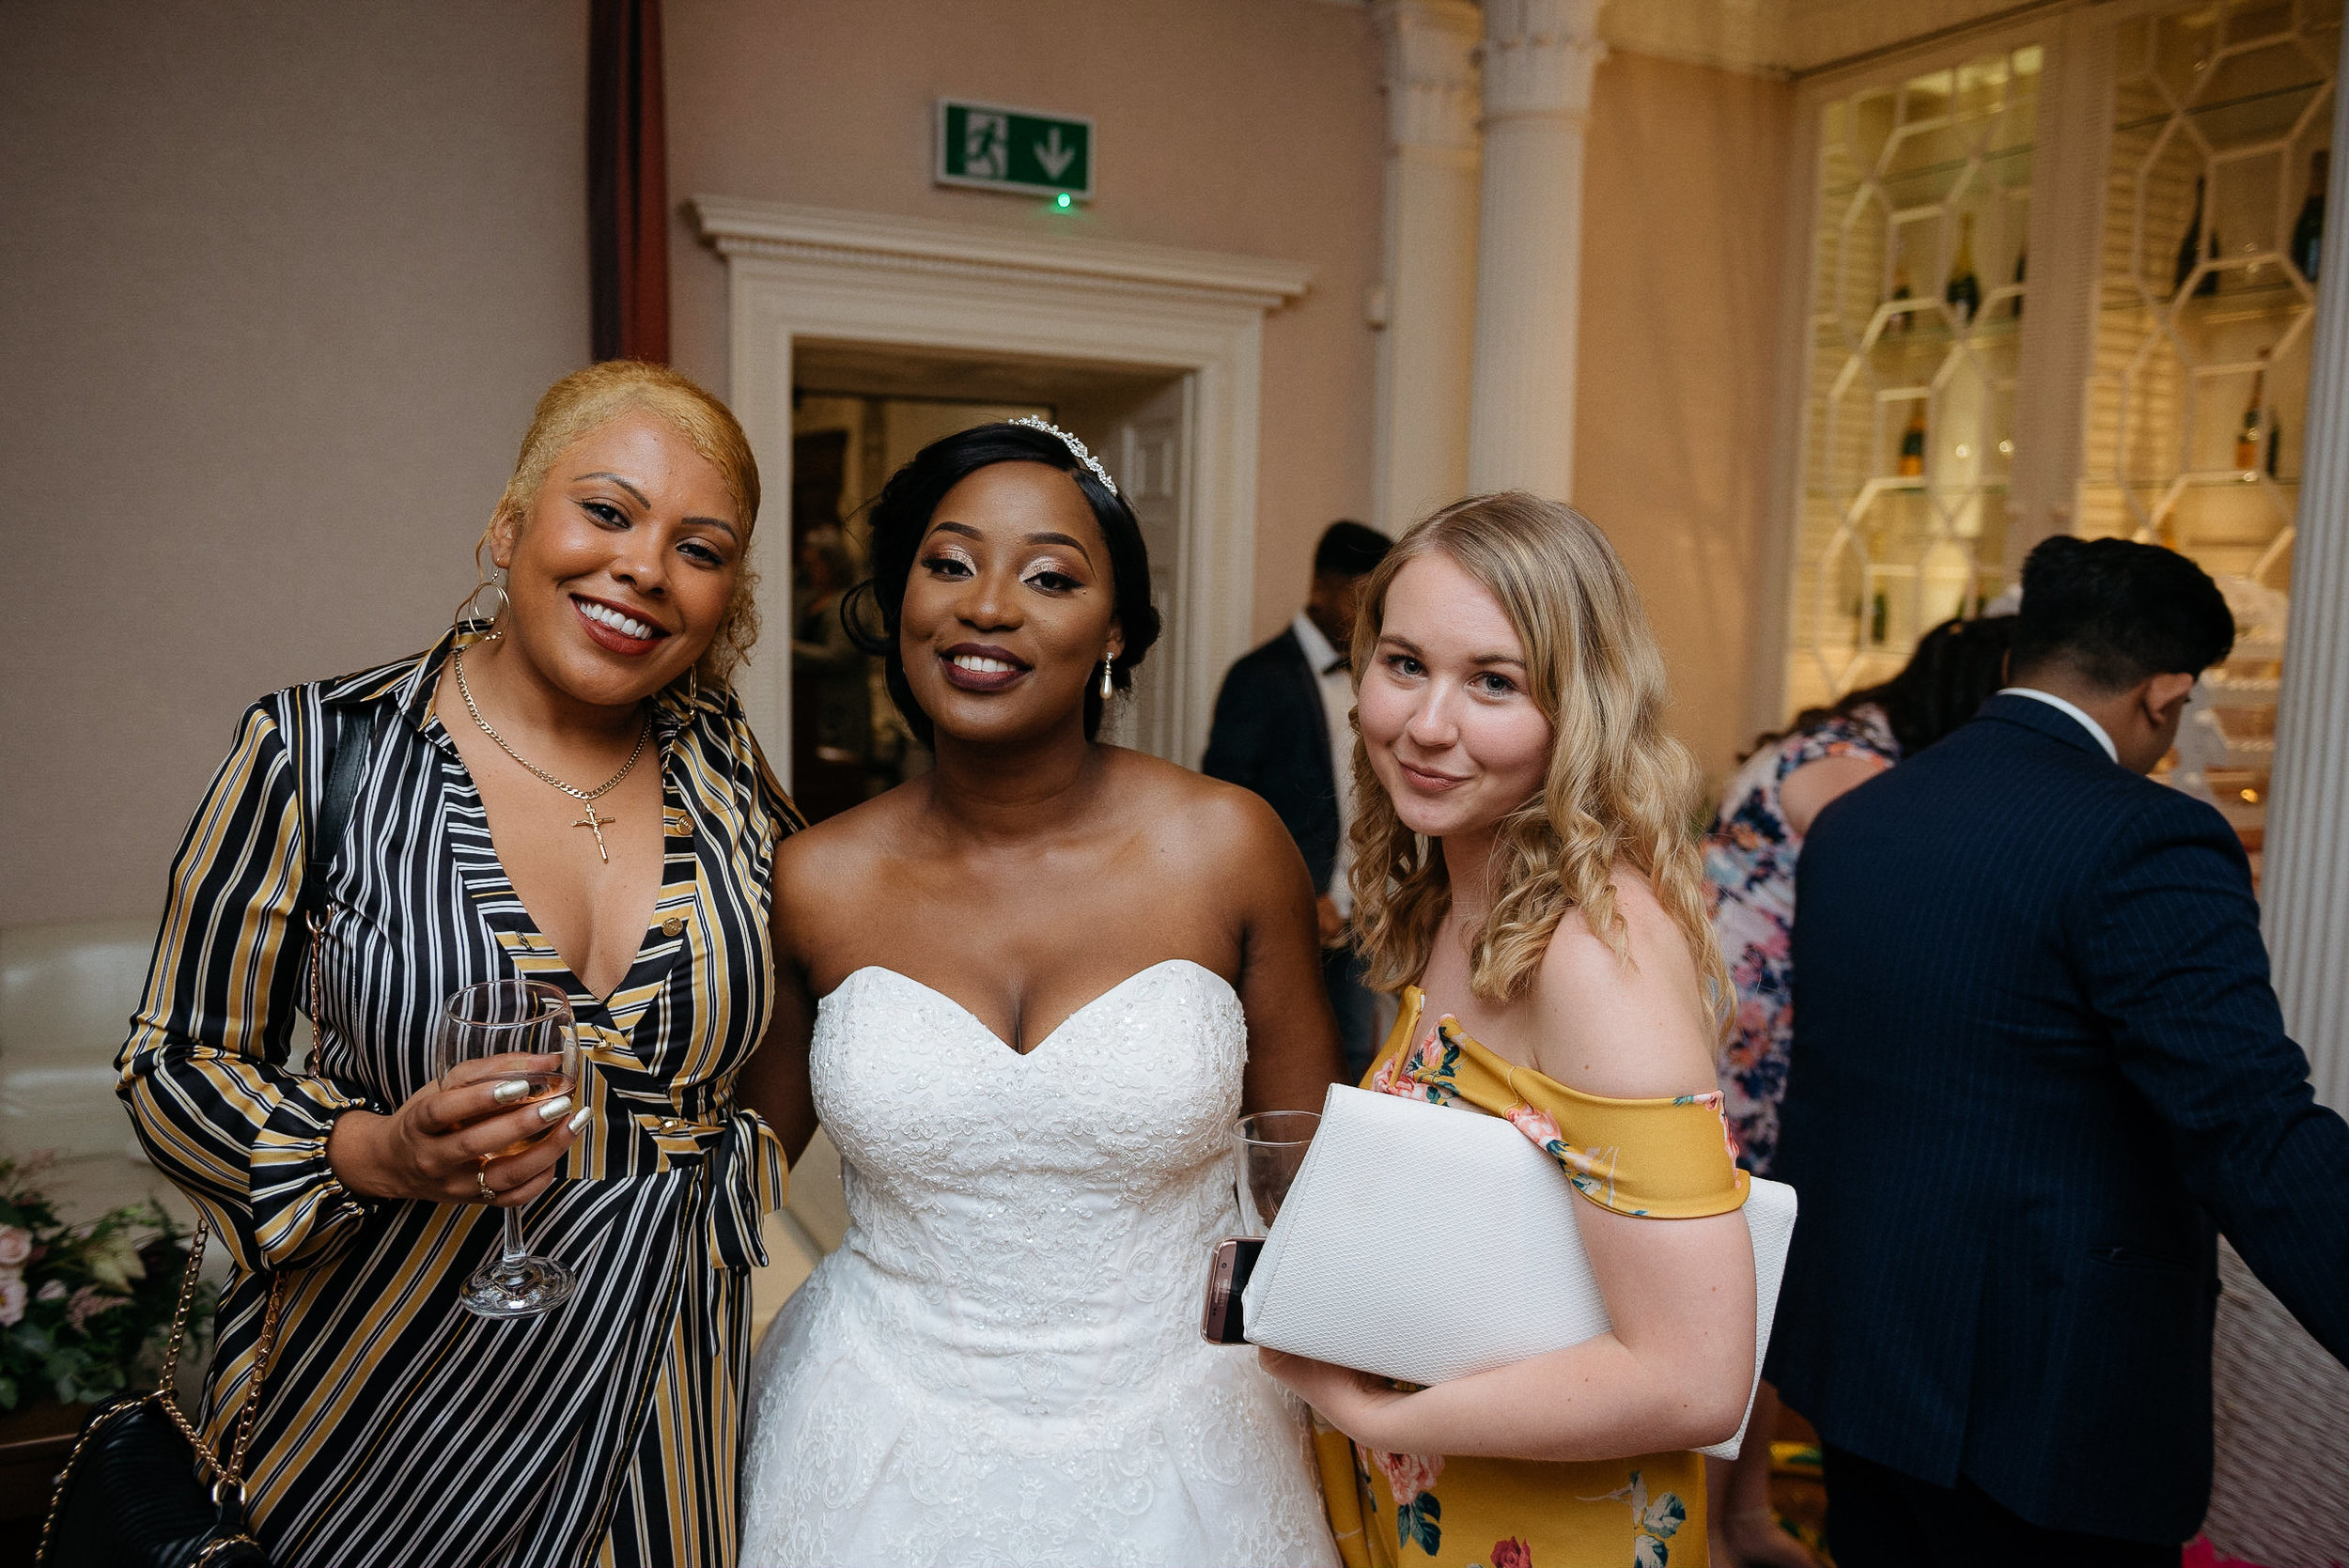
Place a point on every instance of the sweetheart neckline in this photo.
(1007, 1047)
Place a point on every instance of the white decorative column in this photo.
(1427, 304)
(1538, 59)
(2304, 895)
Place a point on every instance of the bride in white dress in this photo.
(1052, 973)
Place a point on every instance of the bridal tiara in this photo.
(1074, 445)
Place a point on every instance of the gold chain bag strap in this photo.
(228, 1474)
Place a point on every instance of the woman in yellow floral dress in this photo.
(1525, 876)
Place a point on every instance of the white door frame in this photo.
(809, 272)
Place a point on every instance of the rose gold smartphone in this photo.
(1234, 1260)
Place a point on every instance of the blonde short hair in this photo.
(1619, 790)
(587, 398)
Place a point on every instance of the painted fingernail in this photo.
(554, 1108)
(511, 1090)
(580, 1120)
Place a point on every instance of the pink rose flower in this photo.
(1408, 1474)
(11, 1298)
(1512, 1553)
(16, 1245)
(1425, 1053)
(1539, 1126)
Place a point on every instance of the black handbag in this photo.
(134, 1492)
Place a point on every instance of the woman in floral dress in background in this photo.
(1749, 859)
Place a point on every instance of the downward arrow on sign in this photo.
(1054, 156)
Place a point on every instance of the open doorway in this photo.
(858, 412)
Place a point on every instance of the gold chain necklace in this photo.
(593, 823)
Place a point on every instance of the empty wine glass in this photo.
(492, 1019)
(1266, 1150)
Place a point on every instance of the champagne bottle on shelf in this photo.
(2247, 435)
(1912, 464)
(1963, 290)
(2022, 264)
(1900, 321)
(1879, 618)
(2307, 234)
(2255, 417)
(2192, 249)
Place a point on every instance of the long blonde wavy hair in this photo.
(1619, 792)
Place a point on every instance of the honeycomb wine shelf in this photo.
(2061, 279)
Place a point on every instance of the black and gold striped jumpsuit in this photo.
(394, 1428)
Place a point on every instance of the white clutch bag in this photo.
(1357, 1271)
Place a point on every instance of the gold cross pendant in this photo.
(594, 824)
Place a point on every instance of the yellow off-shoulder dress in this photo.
(1659, 1158)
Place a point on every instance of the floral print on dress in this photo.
(1654, 1521)
(1749, 857)
(1411, 1477)
(1425, 1072)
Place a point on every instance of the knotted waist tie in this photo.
(744, 1175)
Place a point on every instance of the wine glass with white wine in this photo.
(494, 1018)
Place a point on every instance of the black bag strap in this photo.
(346, 769)
(348, 754)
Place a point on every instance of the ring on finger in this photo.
(481, 1180)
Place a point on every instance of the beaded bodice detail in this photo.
(1002, 1362)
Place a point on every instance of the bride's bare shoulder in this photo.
(840, 851)
(1198, 816)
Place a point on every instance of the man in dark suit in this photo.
(1280, 729)
(2036, 1058)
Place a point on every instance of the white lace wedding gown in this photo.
(1002, 1363)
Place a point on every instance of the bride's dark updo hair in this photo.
(901, 516)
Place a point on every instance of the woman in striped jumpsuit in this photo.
(395, 1427)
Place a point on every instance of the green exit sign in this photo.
(995, 148)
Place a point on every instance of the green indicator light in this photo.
(1061, 201)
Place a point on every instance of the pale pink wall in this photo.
(1684, 207)
(282, 283)
(1253, 126)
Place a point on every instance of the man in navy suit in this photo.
(2036, 1061)
(1280, 730)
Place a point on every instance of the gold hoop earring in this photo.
(1108, 690)
(465, 611)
